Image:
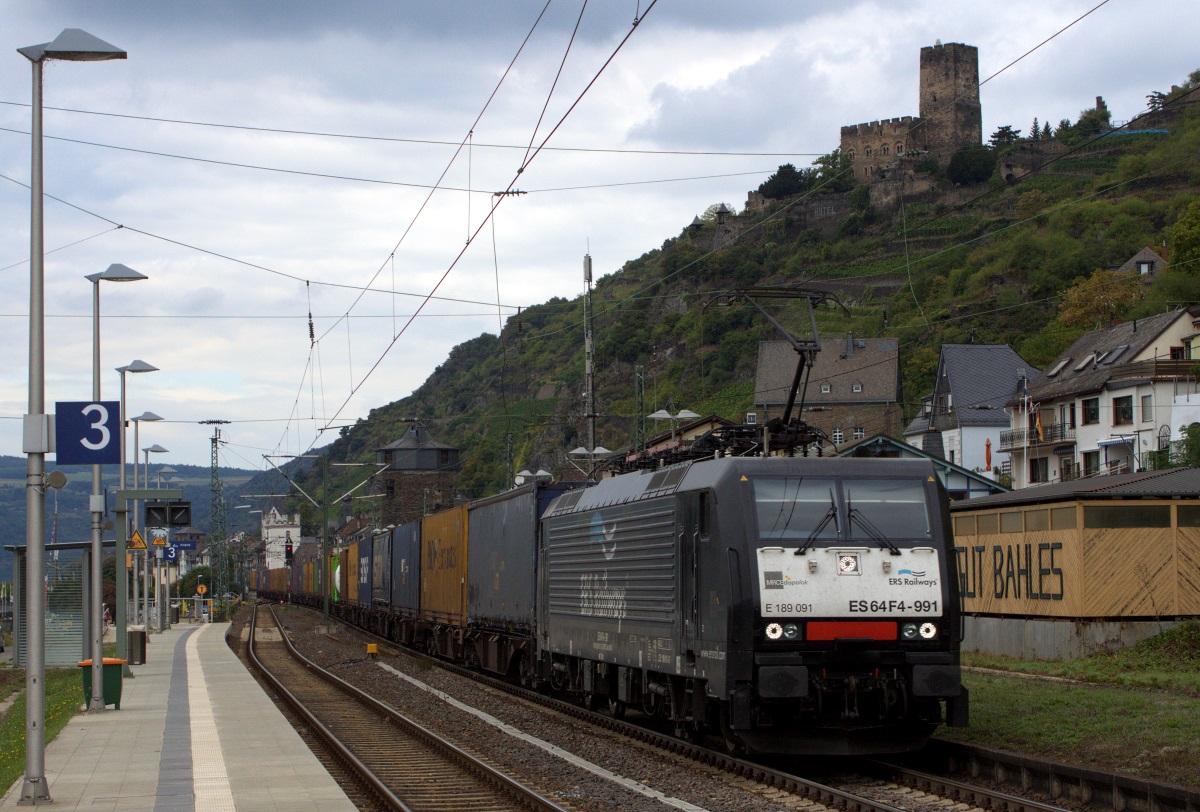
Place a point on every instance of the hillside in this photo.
(984, 262)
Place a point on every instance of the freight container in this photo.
(502, 560)
(350, 574)
(406, 569)
(444, 567)
(381, 570)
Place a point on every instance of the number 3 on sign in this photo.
(86, 432)
(101, 414)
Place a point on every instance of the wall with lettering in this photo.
(1020, 573)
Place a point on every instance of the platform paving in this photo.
(195, 733)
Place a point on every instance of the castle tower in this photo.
(950, 112)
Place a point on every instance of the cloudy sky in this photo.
(261, 161)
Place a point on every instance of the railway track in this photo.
(406, 766)
(877, 788)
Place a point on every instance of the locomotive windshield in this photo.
(796, 508)
(895, 505)
(811, 509)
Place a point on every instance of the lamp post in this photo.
(147, 417)
(135, 366)
(114, 273)
(663, 414)
(72, 45)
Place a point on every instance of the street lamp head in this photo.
(73, 45)
(146, 417)
(686, 414)
(661, 414)
(137, 365)
(116, 273)
(157, 449)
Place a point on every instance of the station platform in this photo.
(195, 732)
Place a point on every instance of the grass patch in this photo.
(1149, 733)
(64, 698)
(1133, 711)
(1169, 661)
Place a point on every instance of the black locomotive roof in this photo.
(700, 475)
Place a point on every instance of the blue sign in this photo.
(189, 546)
(88, 433)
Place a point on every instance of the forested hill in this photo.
(67, 516)
(1024, 259)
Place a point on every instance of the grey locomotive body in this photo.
(791, 605)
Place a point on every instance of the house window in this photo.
(1178, 354)
(952, 456)
(1147, 408)
(1091, 411)
(859, 432)
(1091, 463)
(826, 389)
(838, 436)
(868, 152)
(899, 147)
(884, 150)
(1145, 267)
(1122, 410)
(856, 387)
(1039, 470)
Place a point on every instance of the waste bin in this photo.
(175, 613)
(111, 668)
(136, 642)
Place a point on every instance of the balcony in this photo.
(1051, 433)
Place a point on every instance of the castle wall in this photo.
(950, 106)
(875, 145)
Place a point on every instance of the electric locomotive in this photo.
(789, 605)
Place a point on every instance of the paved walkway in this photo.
(195, 733)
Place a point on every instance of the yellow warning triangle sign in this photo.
(137, 542)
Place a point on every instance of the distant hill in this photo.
(67, 516)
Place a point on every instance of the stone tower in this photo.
(950, 112)
(418, 475)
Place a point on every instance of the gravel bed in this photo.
(343, 652)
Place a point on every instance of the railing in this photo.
(1157, 368)
(1051, 433)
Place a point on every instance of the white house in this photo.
(963, 418)
(1101, 406)
(278, 531)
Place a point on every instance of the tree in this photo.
(1156, 100)
(835, 172)
(1099, 298)
(1046, 132)
(1064, 128)
(971, 164)
(1004, 136)
(787, 181)
(1035, 131)
(1185, 239)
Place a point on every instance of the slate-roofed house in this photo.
(964, 416)
(960, 483)
(418, 475)
(1101, 405)
(1146, 263)
(853, 387)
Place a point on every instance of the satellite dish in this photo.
(108, 524)
(56, 479)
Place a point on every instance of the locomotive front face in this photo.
(855, 614)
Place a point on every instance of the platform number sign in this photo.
(88, 432)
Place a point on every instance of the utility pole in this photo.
(217, 515)
(589, 361)
(639, 406)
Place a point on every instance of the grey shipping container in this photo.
(501, 564)
(406, 569)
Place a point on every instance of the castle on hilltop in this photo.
(950, 116)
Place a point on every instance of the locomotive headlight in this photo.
(791, 632)
(909, 631)
(928, 631)
(774, 631)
